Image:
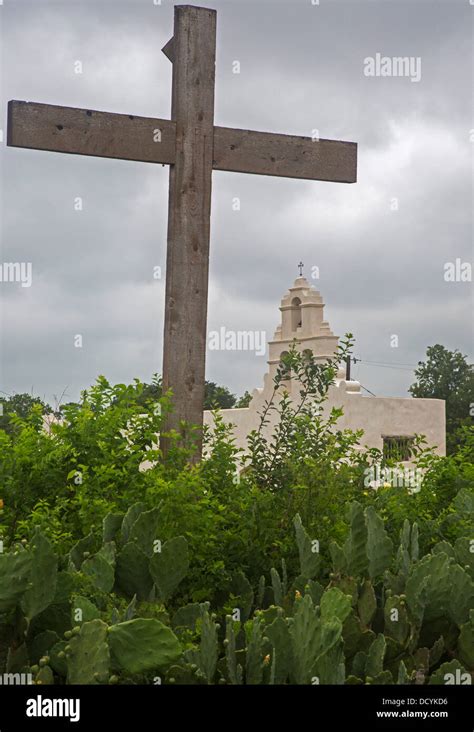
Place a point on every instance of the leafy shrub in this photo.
(280, 565)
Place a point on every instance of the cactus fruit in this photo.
(58, 659)
(422, 605)
(40, 645)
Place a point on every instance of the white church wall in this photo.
(377, 416)
(302, 323)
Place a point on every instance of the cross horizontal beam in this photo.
(146, 139)
(288, 156)
(89, 132)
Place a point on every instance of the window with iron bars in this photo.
(397, 447)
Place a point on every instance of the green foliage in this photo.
(214, 396)
(279, 566)
(346, 630)
(23, 406)
(447, 375)
(217, 397)
(244, 400)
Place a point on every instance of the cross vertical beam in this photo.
(192, 146)
(192, 51)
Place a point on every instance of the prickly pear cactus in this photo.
(234, 669)
(15, 570)
(169, 566)
(44, 571)
(254, 656)
(310, 559)
(143, 644)
(87, 654)
(208, 651)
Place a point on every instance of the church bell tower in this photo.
(302, 323)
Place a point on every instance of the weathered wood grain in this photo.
(189, 216)
(193, 147)
(146, 139)
(265, 153)
(89, 132)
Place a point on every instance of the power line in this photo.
(384, 365)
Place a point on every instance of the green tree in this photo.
(447, 375)
(21, 405)
(244, 400)
(216, 396)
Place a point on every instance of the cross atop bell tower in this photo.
(302, 323)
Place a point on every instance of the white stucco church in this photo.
(389, 423)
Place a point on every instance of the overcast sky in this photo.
(382, 270)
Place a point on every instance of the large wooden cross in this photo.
(193, 147)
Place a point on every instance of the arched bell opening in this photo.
(296, 316)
